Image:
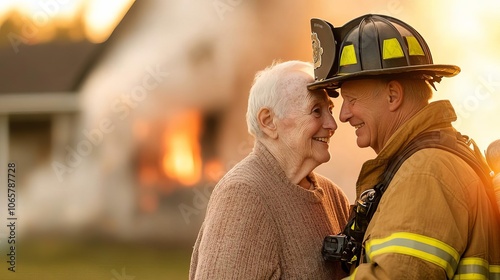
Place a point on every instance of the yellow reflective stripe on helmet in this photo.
(414, 47)
(415, 245)
(392, 49)
(348, 56)
(476, 268)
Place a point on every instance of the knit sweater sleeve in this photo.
(238, 239)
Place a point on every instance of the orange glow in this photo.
(214, 170)
(474, 92)
(182, 157)
(91, 19)
(148, 202)
(147, 176)
(102, 17)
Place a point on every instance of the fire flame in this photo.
(182, 157)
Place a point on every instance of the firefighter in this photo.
(436, 219)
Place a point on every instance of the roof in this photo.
(50, 67)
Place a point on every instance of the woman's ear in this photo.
(267, 119)
(395, 96)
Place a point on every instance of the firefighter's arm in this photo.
(397, 267)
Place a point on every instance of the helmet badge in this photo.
(317, 50)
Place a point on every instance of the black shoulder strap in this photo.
(453, 143)
(367, 203)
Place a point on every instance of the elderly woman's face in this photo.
(307, 124)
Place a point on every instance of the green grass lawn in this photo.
(111, 260)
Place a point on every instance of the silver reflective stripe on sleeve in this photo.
(476, 268)
(416, 245)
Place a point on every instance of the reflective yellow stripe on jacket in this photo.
(415, 245)
(476, 268)
(434, 251)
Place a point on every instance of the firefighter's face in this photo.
(364, 107)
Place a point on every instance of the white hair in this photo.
(268, 91)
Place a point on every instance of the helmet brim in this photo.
(422, 71)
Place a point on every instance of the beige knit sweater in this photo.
(259, 225)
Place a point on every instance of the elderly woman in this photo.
(268, 216)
